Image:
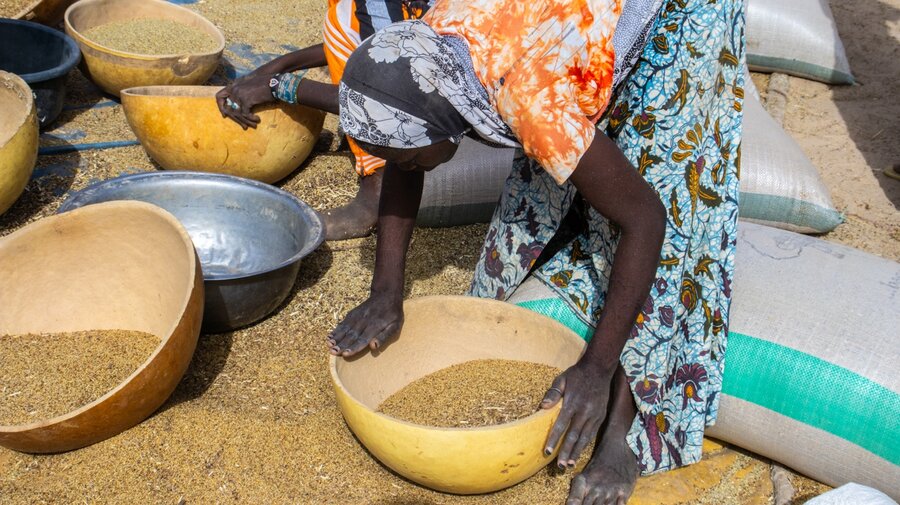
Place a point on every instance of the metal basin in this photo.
(250, 236)
(42, 57)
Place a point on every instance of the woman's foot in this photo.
(357, 218)
(609, 478)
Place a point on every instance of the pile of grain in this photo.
(152, 36)
(46, 375)
(475, 393)
(9, 8)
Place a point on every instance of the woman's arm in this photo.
(253, 89)
(613, 187)
(380, 317)
(309, 57)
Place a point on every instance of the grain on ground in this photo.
(10, 8)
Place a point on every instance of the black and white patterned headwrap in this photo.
(406, 86)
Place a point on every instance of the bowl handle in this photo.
(184, 66)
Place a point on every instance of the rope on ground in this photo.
(781, 484)
(777, 95)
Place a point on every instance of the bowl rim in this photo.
(163, 339)
(220, 37)
(338, 384)
(30, 108)
(310, 215)
(58, 71)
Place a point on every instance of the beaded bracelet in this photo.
(284, 86)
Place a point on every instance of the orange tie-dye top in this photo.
(547, 66)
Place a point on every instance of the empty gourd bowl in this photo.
(42, 57)
(438, 332)
(181, 128)
(114, 70)
(250, 236)
(46, 12)
(18, 138)
(119, 265)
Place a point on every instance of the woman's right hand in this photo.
(372, 324)
(244, 93)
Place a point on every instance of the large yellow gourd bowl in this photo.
(115, 70)
(438, 332)
(118, 265)
(181, 128)
(18, 138)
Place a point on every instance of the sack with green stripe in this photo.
(797, 37)
(779, 185)
(811, 370)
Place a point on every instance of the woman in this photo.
(347, 23)
(653, 200)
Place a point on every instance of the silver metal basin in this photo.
(250, 236)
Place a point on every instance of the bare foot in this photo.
(357, 218)
(609, 478)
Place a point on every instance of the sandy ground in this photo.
(254, 420)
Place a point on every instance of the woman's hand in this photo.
(371, 324)
(236, 101)
(584, 389)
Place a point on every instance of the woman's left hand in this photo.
(584, 390)
(237, 100)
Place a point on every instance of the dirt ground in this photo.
(255, 420)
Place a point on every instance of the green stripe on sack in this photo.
(815, 392)
(795, 384)
(759, 63)
(782, 209)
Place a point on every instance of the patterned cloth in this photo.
(547, 67)
(347, 24)
(407, 87)
(678, 119)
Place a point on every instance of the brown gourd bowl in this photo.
(18, 138)
(438, 332)
(113, 70)
(117, 265)
(181, 128)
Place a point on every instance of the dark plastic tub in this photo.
(42, 57)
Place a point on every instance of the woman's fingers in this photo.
(559, 427)
(221, 96)
(555, 393)
(566, 459)
(386, 334)
(587, 435)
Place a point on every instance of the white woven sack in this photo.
(466, 189)
(780, 186)
(811, 368)
(852, 494)
(797, 37)
(811, 365)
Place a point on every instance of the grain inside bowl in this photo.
(150, 36)
(476, 393)
(50, 374)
